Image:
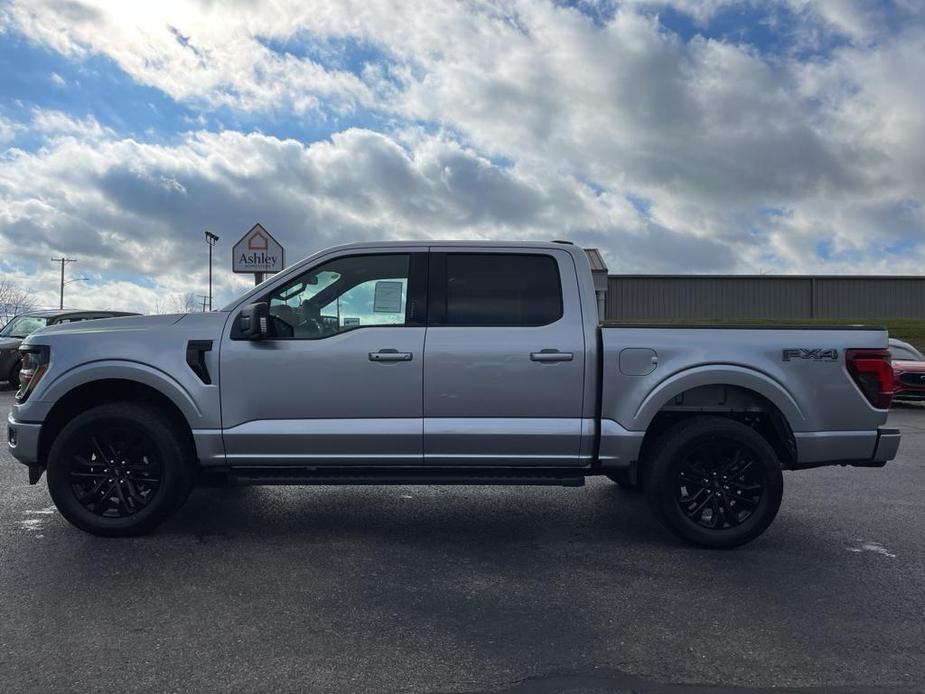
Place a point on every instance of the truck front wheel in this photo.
(119, 469)
(714, 482)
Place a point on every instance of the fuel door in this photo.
(638, 361)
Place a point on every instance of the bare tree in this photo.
(14, 300)
(178, 303)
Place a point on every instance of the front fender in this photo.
(115, 370)
(718, 374)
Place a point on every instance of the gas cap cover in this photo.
(638, 361)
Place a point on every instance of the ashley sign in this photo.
(257, 251)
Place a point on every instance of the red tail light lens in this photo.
(872, 371)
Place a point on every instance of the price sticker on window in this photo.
(387, 297)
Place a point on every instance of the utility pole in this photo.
(63, 261)
(211, 239)
(204, 298)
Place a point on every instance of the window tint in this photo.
(345, 293)
(504, 289)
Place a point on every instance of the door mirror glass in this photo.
(254, 321)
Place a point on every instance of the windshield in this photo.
(23, 326)
(898, 353)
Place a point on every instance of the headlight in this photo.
(34, 365)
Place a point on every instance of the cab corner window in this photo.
(343, 294)
(502, 289)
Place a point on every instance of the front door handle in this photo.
(548, 355)
(390, 355)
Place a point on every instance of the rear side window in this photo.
(501, 289)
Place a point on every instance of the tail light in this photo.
(872, 370)
(34, 365)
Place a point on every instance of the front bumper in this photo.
(23, 440)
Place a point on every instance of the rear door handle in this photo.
(548, 355)
(390, 355)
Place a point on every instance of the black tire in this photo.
(714, 482)
(622, 479)
(13, 377)
(128, 460)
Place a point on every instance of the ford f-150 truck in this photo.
(443, 363)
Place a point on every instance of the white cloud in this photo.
(737, 160)
(51, 123)
(8, 129)
(190, 51)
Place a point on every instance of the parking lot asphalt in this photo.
(470, 589)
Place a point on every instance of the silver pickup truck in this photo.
(443, 363)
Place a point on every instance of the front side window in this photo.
(342, 294)
(501, 289)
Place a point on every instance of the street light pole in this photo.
(63, 261)
(211, 239)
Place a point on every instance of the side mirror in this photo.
(254, 321)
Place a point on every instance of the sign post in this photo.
(258, 252)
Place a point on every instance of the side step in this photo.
(557, 477)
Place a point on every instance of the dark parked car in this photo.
(25, 324)
(908, 371)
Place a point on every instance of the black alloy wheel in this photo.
(719, 484)
(115, 470)
(120, 469)
(713, 481)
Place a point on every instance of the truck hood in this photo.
(128, 324)
(9, 343)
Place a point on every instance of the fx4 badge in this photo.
(815, 354)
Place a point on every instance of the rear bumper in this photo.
(22, 439)
(855, 448)
(887, 445)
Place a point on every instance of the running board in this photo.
(241, 476)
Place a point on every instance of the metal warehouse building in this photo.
(671, 297)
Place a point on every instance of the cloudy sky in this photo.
(680, 136)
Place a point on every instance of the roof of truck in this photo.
(469, 242)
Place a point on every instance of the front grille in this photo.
(913, 379)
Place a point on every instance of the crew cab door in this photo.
(504, 358)
(339, 380)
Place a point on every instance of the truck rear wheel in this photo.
(119, 469)
(714, 482)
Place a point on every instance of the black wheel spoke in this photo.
(133, 492)
(696, 511)
(736, 457)
(687, 477)
(123, 502)
(92, 492)
(98, 450)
